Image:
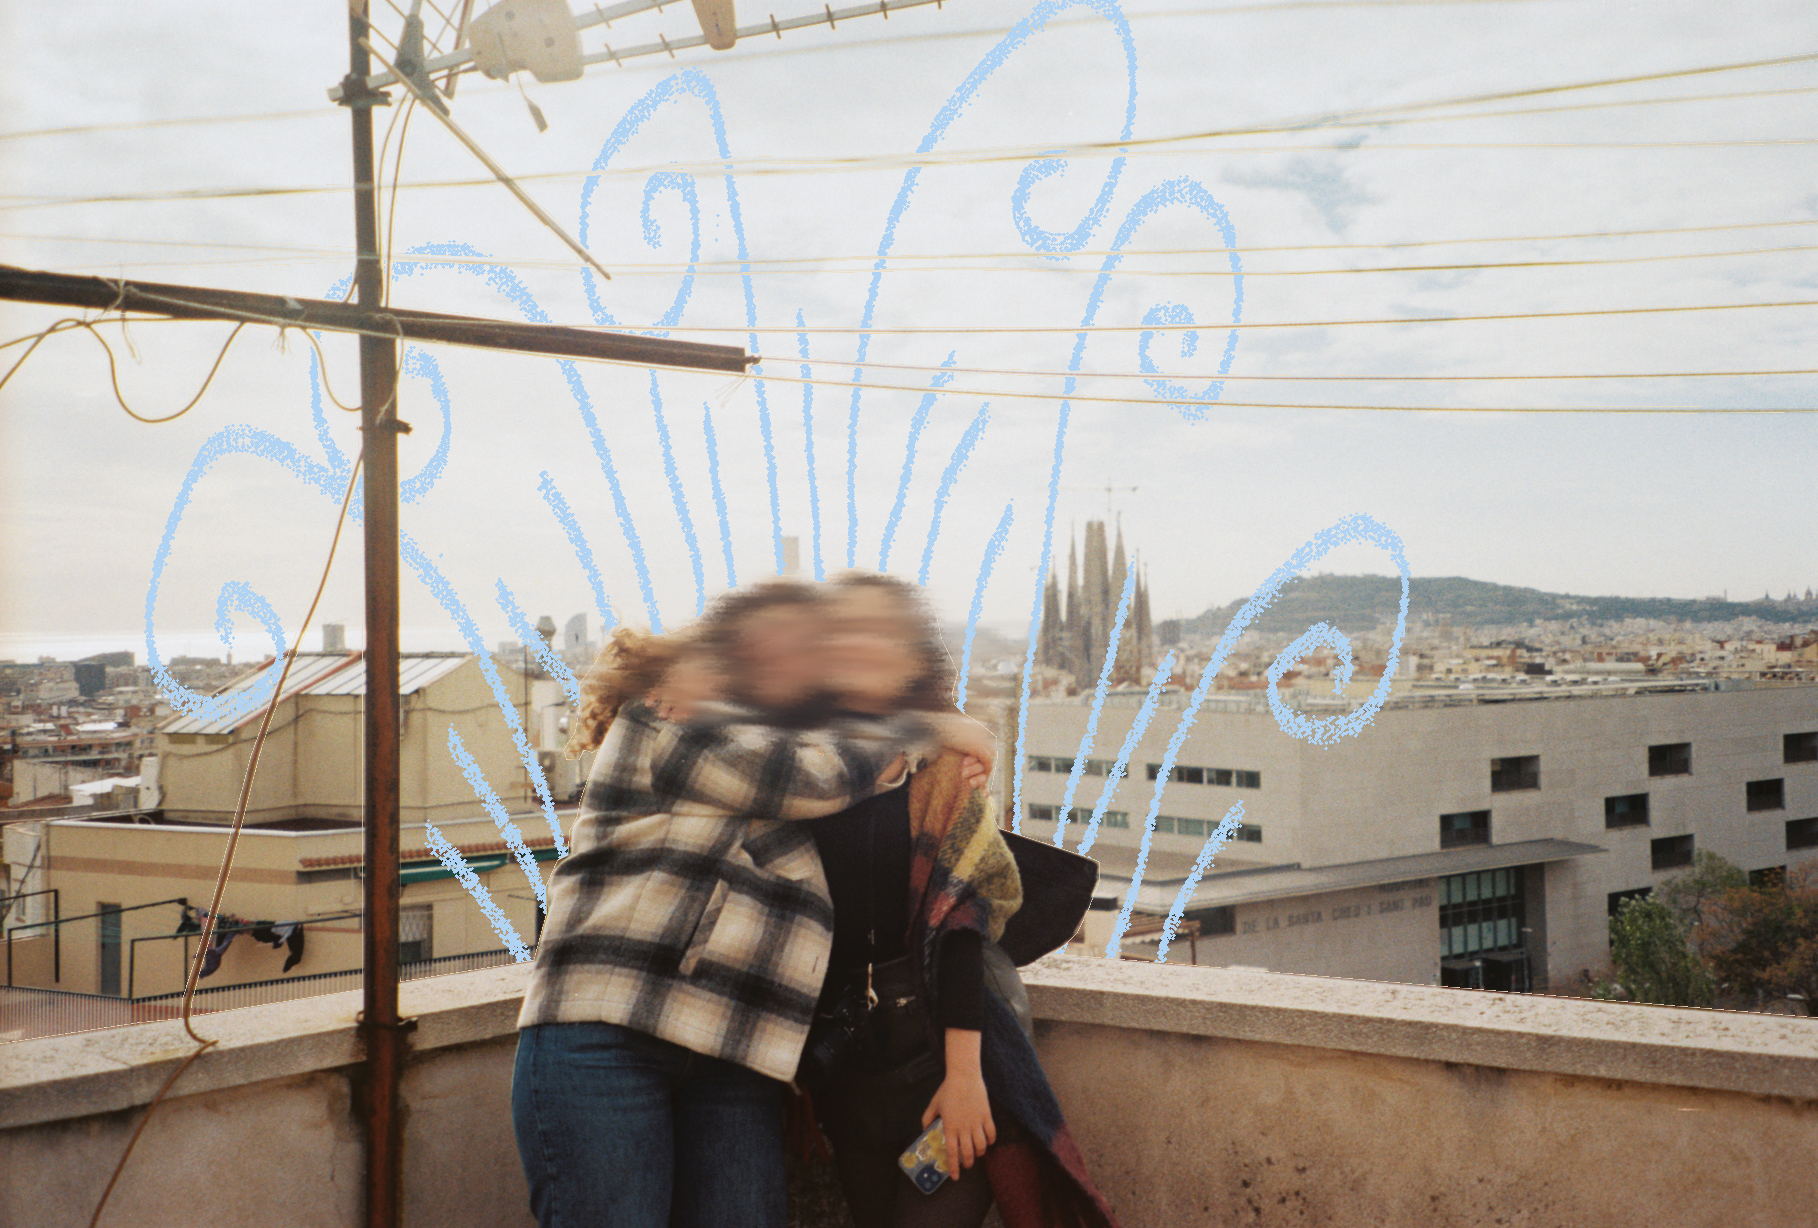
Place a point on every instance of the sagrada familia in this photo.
(1075, 638)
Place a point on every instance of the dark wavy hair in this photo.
(933, 689)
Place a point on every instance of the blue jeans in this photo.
(618, 1129)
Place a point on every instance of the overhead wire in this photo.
(1047, 268)
(862, 163)
(1169, 401)
(1122, 148)
(763, 264)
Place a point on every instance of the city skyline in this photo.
(1417, 210)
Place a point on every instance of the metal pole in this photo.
(384, 1034)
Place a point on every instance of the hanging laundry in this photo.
(190, 924)
(292, 934)
(265, 932)
(211, 959)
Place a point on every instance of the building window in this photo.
(1480, 912)
(1117, 818)
(1100, 767)
(1041, 813)
(1769, 877)
(1190, 775)
(1249, 780)
(1617, 897)
(1218, 776)
(1214, 921)
(110, 949)
(1466, 828)
(1801, 747)
(1671, 852)
(1190, 827)
(1670, 759)
(1250, 833)
(416, 937)
(1517, 772)
(1628, 810)
(1801, 834)
(1164, 823)
(1040, 763)
(1061, 765)
(1767, 794)
(1154, 770)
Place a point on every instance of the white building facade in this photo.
(1462, 837)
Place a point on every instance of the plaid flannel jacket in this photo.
(690, 907)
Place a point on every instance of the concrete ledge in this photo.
(56, 1078)
(62, 1077)
(1196, 1095)
(1770, 1055)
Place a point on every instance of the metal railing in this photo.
(28, 1013)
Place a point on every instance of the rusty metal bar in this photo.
(385, 1036)
(437, 328)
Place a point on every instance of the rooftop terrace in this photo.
(1198, 1095)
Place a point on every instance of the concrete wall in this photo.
(1197, 1095)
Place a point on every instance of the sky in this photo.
(1293, 167)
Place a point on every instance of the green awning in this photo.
(424, 871)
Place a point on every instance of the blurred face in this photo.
(777, 660)
(871, 657)
(696, 678)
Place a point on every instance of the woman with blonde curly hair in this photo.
(675, 671)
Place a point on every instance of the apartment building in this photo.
(1473, 837)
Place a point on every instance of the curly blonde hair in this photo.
(632, 662)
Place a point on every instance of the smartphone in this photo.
(926, 1160)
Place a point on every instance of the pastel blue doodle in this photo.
(961, 453)
(445, 595)
(507, 283)
(230, 441)
(1179, 191)
(1120, 767)
(553, 665)
(422, 363)
(676, 86)
(919, 420)
(993, 548)
(1035, 615)
(1331, 729)
(1098, 698)
(676, 495)
(951, 110)
(514, 839)
(1227, 827)
(671, 181)
(583, 553)
(814, 492)
(1175, 191)
(457, 866)
(719, 495)
(1352, 528)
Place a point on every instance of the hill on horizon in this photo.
(1369, 602)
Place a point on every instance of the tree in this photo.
(1701, 889)
(1765, 938)
(1654, 962)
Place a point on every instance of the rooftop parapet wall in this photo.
(1198, 1095)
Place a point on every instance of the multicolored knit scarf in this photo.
(963, 876)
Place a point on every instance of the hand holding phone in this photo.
(926, 1159)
